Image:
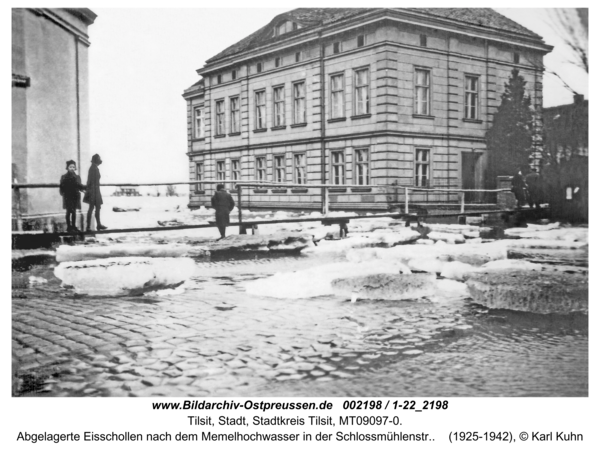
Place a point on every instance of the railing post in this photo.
(406, 200)
(462, 202)
(18, 209)
(239, 196)
(325, 207)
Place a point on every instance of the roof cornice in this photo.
(410, 17)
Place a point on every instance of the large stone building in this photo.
(357, 97)
(50, 122)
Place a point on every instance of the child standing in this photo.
(70, 186)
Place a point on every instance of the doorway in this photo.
(472, 176)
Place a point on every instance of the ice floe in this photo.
(542, 292)
(66, 253)
(124, 275)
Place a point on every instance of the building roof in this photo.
(314, 17)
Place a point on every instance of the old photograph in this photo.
(300, 202)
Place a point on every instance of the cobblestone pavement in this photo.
(216, 340)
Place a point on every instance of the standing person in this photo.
(223, 203)
(93, 197)
(534, 187)
(518, 188)
(70, 186)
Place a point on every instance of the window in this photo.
(233, 74)
(298, 57)
(337, 47)
(422, 168)
(221, 170)
(279, 168)
(360, 41)
(219, 79)
(234, 111)
(258, 67)
(361, 92)
(277, 62)
(422, 84)
(285, 27)
(235, 170)
(337, 168)
(337, 96)
(516, 57)
(199, 175)
(261, 110)
(299, 103)
(261, 168)
(471, 96)
(281, 28)
(300, 168)
(220, 117)
(362, 166)
(278, 107)
(569, 193)
(199, 123)
(423, 40)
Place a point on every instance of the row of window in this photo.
(337, 174)
(336, 49)
(278, 61)
(361, 104)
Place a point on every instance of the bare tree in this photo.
(572, 26)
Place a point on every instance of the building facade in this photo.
(357, 98)
(50, 122)
(565, 172)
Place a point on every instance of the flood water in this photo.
(214, 339)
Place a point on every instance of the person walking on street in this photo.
(534, 189)
(518, 188)
(93, 197)
(70, 187)
(223, 204)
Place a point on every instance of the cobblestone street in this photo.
(212, 340)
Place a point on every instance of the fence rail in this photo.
(240, 184)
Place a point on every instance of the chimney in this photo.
(577, 98)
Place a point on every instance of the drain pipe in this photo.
(324, 190)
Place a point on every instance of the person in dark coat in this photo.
(93, 197)
(70, 186)
(534, 189)
(519, 188)
(223, 204)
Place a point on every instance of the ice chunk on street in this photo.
(386, 286)
(315, 281)
(124, 275)
(566, 234)
(365, 240)
(456, 270)
(428, 265)
(66, 253)
(543, 244)
(446, 237)
(474, 254)
(516, 232)
(511, 264)
(542, 292)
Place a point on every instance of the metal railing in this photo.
(240, 184)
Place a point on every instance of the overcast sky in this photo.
(141, 60)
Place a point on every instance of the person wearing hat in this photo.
(70, 186)
(519, 188)
(93, 197)
(223, 204)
